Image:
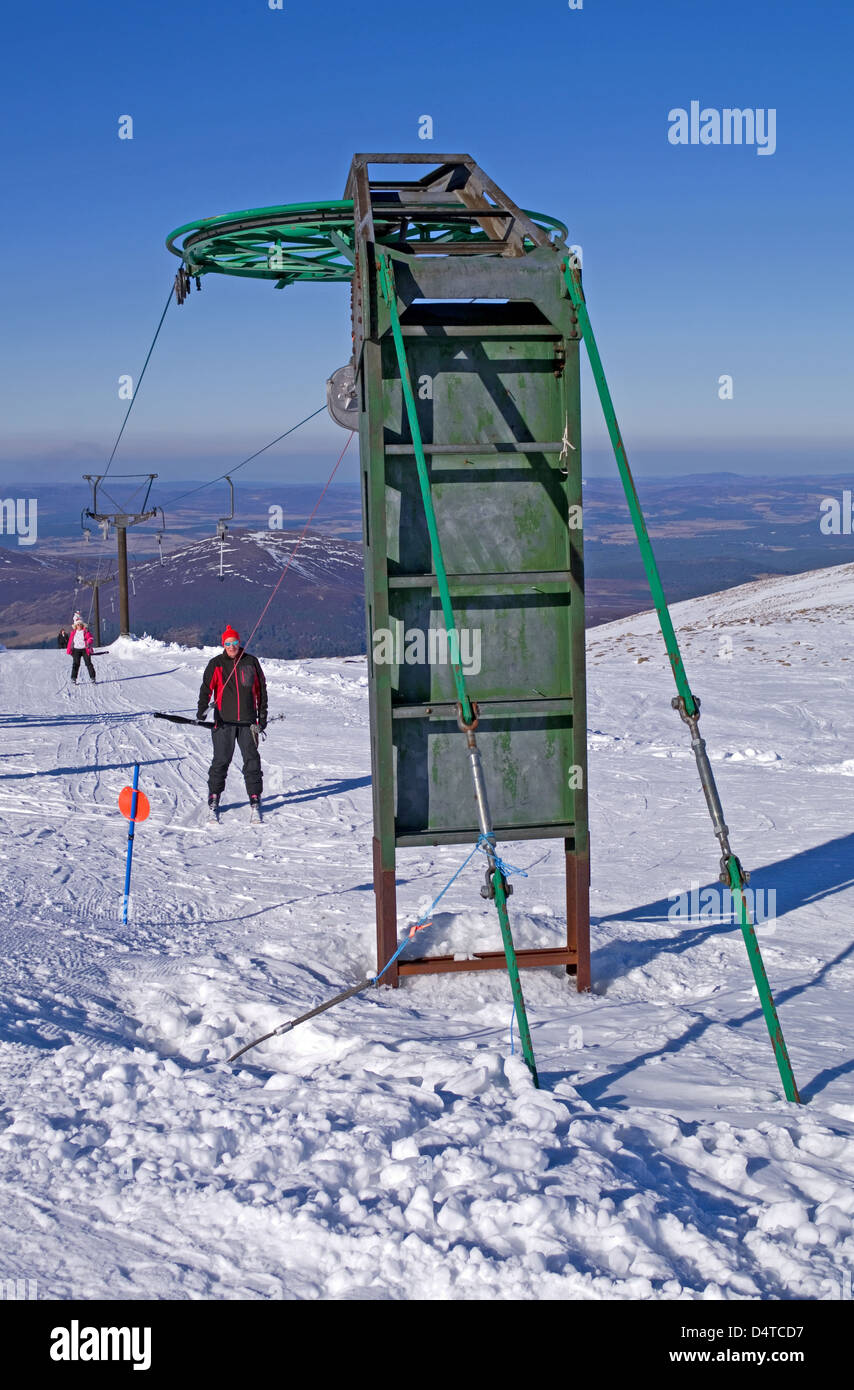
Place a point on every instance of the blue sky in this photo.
(698, 260)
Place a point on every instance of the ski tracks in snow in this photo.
(395, 1148)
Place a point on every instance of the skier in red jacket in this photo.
(234, 684)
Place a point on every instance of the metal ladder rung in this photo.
(523, 447)
(425, 581)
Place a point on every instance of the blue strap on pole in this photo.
(426, 915)
(506, 869)
(487, 843)
(133, 802)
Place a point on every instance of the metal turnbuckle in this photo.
(475, 719)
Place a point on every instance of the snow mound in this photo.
(130, 647)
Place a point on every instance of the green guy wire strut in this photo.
(513, 972)
(386, 275)
(387, 287)
(731, 870)
(760, 979)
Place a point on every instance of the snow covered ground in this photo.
(394, 1148)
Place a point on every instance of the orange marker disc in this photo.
(126, 801)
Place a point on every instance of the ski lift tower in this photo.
(492, 350)
(222, 528)
(459, 291)
(95, 585)
(121, 519)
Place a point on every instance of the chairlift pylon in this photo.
(222, 529)
(161, 533)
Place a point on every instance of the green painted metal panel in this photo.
(484, 374)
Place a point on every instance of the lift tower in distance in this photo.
(121, 519)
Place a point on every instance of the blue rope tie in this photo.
(425, 917)
(484, 843)
(487, 844)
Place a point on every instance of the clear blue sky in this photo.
(698, 260)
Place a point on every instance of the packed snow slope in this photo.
(394, 1148)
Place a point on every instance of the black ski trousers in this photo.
(224, 738)
(75, 663)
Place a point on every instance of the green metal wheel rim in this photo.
(313, 241)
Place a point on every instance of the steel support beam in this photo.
(124, 607)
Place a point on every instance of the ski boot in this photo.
(213, 808)
(255, 808)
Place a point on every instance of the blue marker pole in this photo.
(131, 823)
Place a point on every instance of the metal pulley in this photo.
(183, 284)
(341, 398)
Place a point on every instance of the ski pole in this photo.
(182, 719)
(203, 723)
(131, 823)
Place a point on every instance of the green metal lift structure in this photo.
(464, 385)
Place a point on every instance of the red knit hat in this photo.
(230, 635)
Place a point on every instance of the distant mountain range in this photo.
(317, 611)
(710, 532)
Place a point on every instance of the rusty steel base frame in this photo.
(575, 955)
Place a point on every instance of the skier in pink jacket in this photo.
(81, 644)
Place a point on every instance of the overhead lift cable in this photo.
(299, 542)
(296, 547)
(279, 437)
(138, 382)
(118, 439)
